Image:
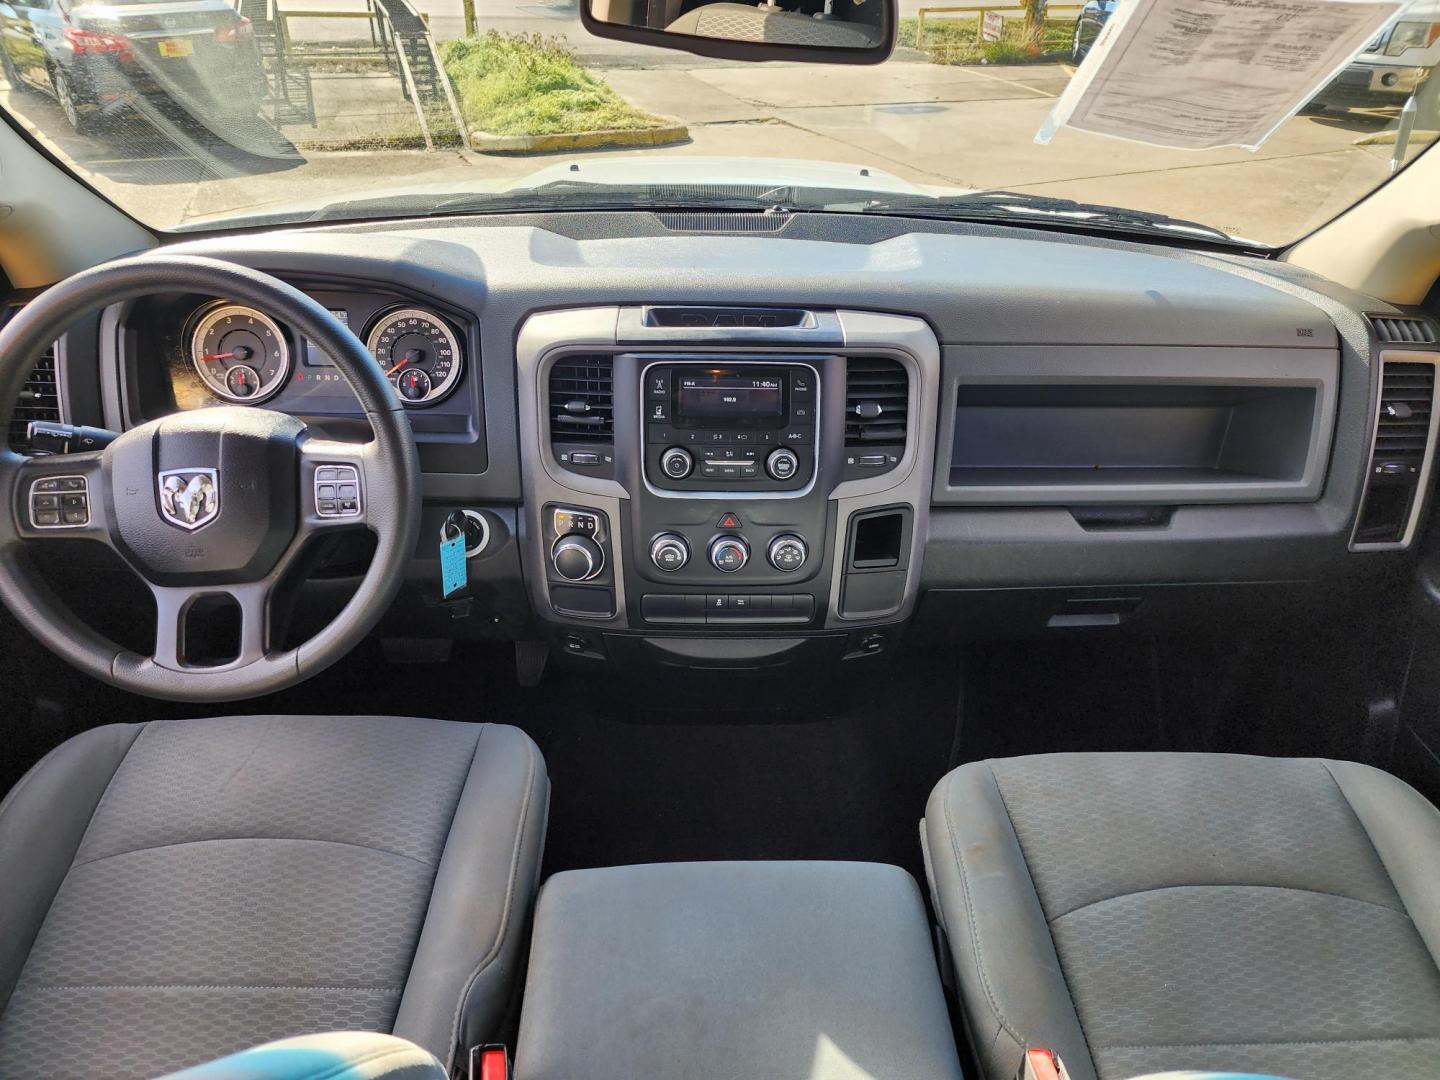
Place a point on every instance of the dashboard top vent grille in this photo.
(725, 221)
(39, 400)
(1404, 329)
(877, 396)
(1407, 395)
(582, 400)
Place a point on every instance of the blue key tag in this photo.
(452, 561)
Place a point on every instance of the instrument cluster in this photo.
(242, 355)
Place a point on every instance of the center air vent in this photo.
(39, 400)
(877, 396)
(1403, 329)
(582, 411)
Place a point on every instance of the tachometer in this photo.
(419, 353)
(240, 354)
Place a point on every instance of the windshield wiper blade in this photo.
(1040, 209)
(579, 195)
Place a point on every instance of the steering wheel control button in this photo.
(337, 491)
(669, 552)
(729, 554)
(787, 553)
(59, 502)
(676, 463)
(577, 558)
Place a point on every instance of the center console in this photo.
(728, 476)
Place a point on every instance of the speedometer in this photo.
(419, 354)
(239, 353)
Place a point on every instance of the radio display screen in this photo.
(727, 398)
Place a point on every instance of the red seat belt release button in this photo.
(1042, 1064)
(491, 1062)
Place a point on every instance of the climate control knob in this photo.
(676, 463)
(782, 463)
(787, 552)
(577, 558)
(669, 552)
(729, 553)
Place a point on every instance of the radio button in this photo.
(749, 472)
(782, 464)
(657, 384)
(795, 435)
(657, 412)
(676, 463)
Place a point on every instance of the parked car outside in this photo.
(1395, 64)
(94, 58)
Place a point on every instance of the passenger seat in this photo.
(1149, 912)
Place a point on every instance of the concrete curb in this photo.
(673, 131)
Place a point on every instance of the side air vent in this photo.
(877, 396)
(39, 400)
(1407, 392)
(1404, 329)
(1400, 462)
(582, 411)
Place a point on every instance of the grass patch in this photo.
(527, 84)
(951, 40)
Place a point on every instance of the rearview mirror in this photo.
(807, 31)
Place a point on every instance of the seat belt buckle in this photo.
(489, 1061)
(1042, 1064)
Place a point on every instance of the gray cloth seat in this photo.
(1147, 912)
(176, 891)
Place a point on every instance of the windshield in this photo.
(197, 114)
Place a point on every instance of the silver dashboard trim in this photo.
(1422, 485)
(546, 336)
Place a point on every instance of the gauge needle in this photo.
(398, 366)
(232, 355)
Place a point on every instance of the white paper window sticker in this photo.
(1202, 74)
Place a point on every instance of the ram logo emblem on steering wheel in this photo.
(189, 498)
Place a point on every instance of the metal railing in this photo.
(978, 10)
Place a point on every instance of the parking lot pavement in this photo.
(965, 127)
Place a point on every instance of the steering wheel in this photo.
(210, 502)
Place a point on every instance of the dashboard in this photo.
(695, 445)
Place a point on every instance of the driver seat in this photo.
(179, 890)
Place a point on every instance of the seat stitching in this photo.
(1279, 1042)
(496, 946)
(1435, 962)
(211, 986)
(1059, 961)
(276, 839)
(1005, 1025)
(1231, 885)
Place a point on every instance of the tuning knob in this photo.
(782, 463)
(729, 553)
(676, 463)
(577, 558)
(787, 552)
(669, 551)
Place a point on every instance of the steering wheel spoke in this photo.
(176, 605)
(60, 498)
